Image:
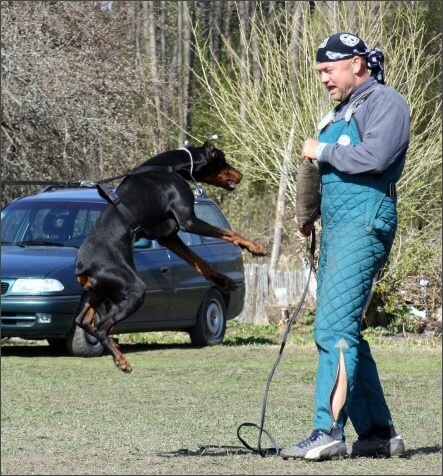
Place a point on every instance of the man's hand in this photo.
(309, 148)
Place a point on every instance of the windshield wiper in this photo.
(10, 243)
(39, 243)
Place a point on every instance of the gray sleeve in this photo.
(384, 123)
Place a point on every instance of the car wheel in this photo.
(80, 343)
(210, 326)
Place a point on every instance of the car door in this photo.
(153, 265)
(188, 286)
(226, 258)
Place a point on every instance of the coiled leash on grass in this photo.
(274, 450)
(307, 208)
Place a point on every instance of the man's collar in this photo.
(362, 87)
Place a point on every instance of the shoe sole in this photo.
(315, 454)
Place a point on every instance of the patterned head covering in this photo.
(341, 46)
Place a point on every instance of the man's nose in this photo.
(324, 78)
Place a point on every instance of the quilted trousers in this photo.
(351, 254)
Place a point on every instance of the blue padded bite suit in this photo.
(358, 228)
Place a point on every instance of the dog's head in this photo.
(210, 166)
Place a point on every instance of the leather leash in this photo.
(274, 450)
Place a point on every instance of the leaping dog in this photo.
(156, 199)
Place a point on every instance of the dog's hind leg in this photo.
(134, 296)
(102, 328)
(85, 319)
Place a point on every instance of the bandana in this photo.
(341, 46)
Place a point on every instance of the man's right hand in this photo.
(309, 149)
(306, 230)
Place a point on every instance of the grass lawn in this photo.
(65, 415)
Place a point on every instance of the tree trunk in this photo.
(151, 52)
(255, 47)
(294, 45)
(227, 29)
(180, 69)
(243, 8)
(190, 55)
(281, 200)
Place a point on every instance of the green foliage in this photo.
(269, 100)
(308, 319)
(402, 321)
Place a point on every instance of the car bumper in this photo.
(39, 317)
(237, 299)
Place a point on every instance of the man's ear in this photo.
(359, 64)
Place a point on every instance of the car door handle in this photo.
(165, 270)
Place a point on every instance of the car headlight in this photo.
(34, 286)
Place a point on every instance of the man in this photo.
(361, 151)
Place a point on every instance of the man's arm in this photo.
(385, 122)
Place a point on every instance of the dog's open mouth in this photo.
(231, 184)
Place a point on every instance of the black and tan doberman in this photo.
(157, 198)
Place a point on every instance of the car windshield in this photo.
(40, 223)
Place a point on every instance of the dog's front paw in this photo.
(258, 250)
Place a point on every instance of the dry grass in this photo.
(64, 415)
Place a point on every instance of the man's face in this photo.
(339, 77)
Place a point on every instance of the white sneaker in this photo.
(320, 445)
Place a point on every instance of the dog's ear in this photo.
(209, 147)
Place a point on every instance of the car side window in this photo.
(143, 242)
(210, 213)
(188, 238)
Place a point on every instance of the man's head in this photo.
(341, 46)
(343, 61)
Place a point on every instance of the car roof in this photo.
(77, 194)
(63, 194)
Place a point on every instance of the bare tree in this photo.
(151, 58)
(69, 96)
(291, 102)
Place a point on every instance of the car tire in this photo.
(80, 343)
(210, 325)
